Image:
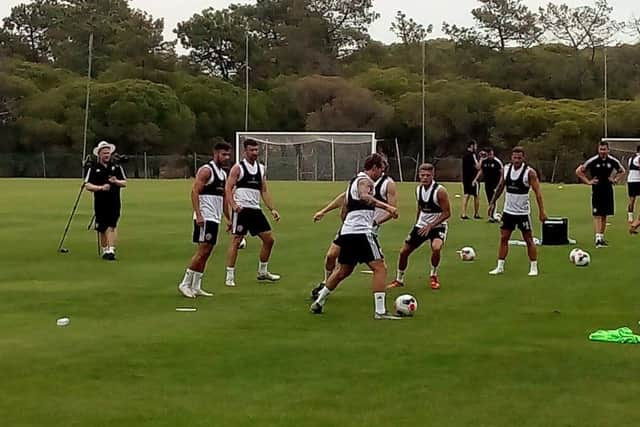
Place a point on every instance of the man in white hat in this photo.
(104, 179)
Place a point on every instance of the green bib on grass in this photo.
(621, 336)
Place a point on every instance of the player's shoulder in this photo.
(590, 160)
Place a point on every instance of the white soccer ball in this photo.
(406, 305)
(467, 253)
(243, 243)
(497, 216)
(582, 259)
(572, 255)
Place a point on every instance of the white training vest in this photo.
(248, 197)
(359, 219)
(212, 205)
(424, 195)
(634, 169)
(381, 213)
(517, 203)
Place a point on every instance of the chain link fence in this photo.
(148, 166)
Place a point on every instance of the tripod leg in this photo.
(73, 212)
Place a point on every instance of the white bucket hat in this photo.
(101, 145)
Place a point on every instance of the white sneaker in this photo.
(230, 283)
(201, 293)
(269, 276)
(533, 273)
(496, 271)
(185, 291)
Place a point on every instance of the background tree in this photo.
(408, 30)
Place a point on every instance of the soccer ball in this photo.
(572, 255)
(467, 254)
(406, 305)
(243, 244)
(497, 216)
(582, 259)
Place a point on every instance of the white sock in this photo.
(379, 301)
(197, 281)
(434, 270)
(188, 277)
(599, 236)
(534, 266)
(630, 216)
(400, 276)
(327, 273)
(231, 273)
(500, 264)
(105, 249)
(112, 249)
(323, 295)
(262, 267)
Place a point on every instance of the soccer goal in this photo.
(623, 148)
(310, 156)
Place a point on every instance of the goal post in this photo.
(310, 156)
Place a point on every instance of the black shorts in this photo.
(106, 218)
(249, 221)
(415, 240)
(602, 201)
(336, 240)
(510, 222)
(634, 189)
(208, 233)
(358, 249)
(470, 189)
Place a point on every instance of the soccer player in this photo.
(633, 183)
(358, 243)
(601, 167)
(470, 167)
(433, 211)
(105, 179)
(247, 183)
(491, 169)
(209, 205)
(384, 191)
(518, 178)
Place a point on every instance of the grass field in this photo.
(483, 351)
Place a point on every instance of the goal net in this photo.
(623, 148)
(310, 156)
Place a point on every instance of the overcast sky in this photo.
(423, 11)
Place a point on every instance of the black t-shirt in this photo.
(99, 174)
(491, 169)
(469, 170)
(602, 169)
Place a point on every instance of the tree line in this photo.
(517, 76)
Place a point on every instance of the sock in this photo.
(231, 273)
(327, 273)
(323, 295)
(379, 301)
(105, 249)
(501, 264)
(197, 280)
(262, 267)
(534, 266)
(599, 236)
(630, 216)
(188, 277)
(434, 270)
(400, 276)
(112, 249)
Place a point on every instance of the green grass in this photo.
(483, 351)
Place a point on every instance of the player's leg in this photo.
(476, 201)
(490, 189)
(436, 248)
(265, 253)
(600, 227)
(338, 275)
(634, 226)
(465, 203)
(330, 262)
(232, 256)
(508, 225)
(412, 243)
(631, 208)
(532, 251)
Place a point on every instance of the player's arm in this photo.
(364, 193)
(266, 197)
(333, 205)
(534, 183)
(392, 198)
(581, 173)
(119, 179)
(620, 171)
(496, 195)
(230, 186)
(202, 177)
(478, 176)
(93, 188)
